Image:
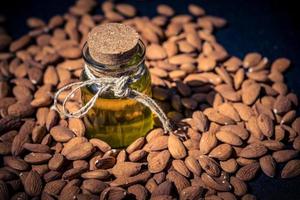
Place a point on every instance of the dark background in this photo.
(269, 27)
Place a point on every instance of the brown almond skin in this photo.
(248, 172)
(250, 93)
(103, 146)
(193, 165)
(15, 163)
(56, 162)
(179, 181)
(268, 165)
(137, 155)
(72, 144)
(229, 166)
(207, 142)
(19, 43)
(159, 143)
(94, 186)
(139, 191)
(273, 145)
(61, 134)
(236, 129)
(52, 119)
(126, 169)
(77, 126)
(180, 167)
(176, 147)
(38, 133)
(291, 169)
(211, 182)
(284, 155)
(54, 187)
(282, 104)
(209, 165)
(136, 145)
(239, 186)
(37, 158)
(192, 192)
(165, 188)
(201, 122)
(113, 193)
(20, 109)
(83, 150)
(96, 174)
(159, 162)
(229, 138)
(265, 124)
(37, 148)
(124, 181)
(254, 150)
(33, 184)
(221, 152)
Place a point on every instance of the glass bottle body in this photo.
(119, 121)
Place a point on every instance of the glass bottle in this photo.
(117, 121)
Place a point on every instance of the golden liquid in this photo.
(118, 121)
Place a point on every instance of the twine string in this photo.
(120, 88)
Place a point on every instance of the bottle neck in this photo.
(127, 68)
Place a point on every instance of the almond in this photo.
(176, 147)
(291, 169)
(228, 110)
(193, 165)
(96, 174)
(215, 183)
(265, 124)
(77, 126)
(229, 166)
(192, 192)
(164, 188)
(284, 155)
(158, 143)
(281, 105)
(239, 186)
(155, 52)
(33, 184)
(81, 151)
(159, 162)
(136, 145)
(250, 93)
(201, 122)
(215, 116)
(126, 169)
(229, 138)
(209, 165)
(179, 181)
(94, 186)
(237, 130)
(268, 165)
(248, 172)
(37, 158)
(61, 134)
(254, 150)
(180, 167)
(15, 163)
(207, 142)
(221, 152)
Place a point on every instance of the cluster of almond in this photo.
(240, 116)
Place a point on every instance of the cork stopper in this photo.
(112, 43)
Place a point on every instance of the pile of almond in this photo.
(239, 115)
